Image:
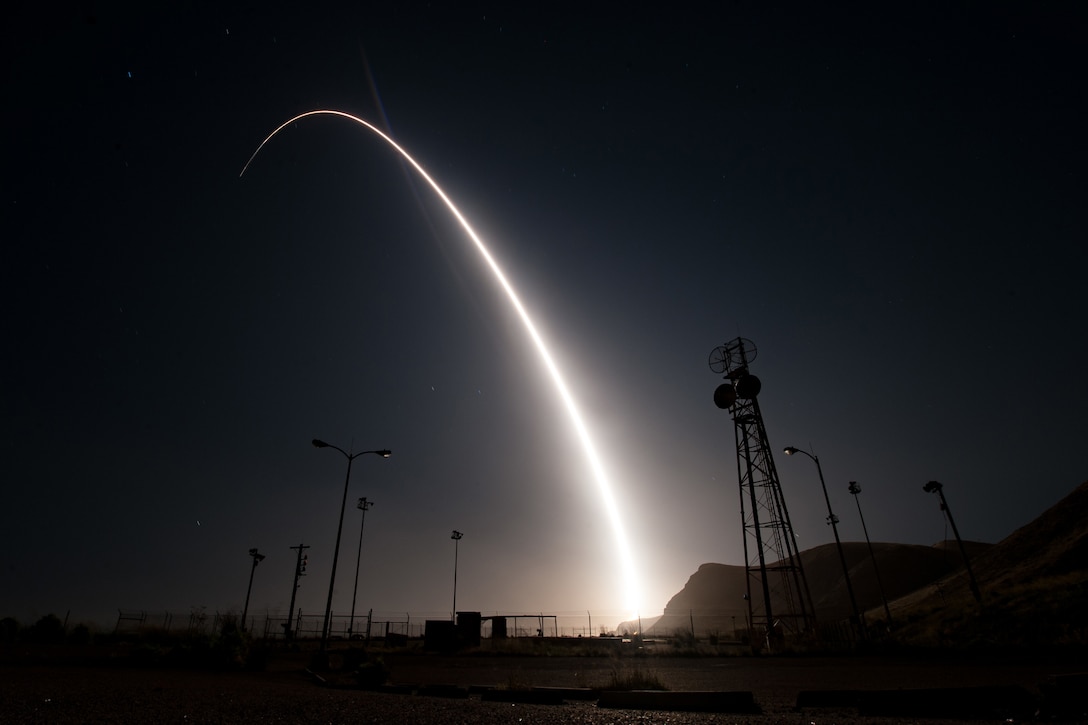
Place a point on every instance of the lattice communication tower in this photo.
(779, 602)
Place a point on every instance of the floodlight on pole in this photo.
(937, 488)
(855, 489)
(384, 453)
(833, 522)
(456, 536)
(363, 506)
(257, 558)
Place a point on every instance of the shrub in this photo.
(80, 635)
(48, 630)
(634, 678)
(372, 674)
(230, 646)
(9, 630)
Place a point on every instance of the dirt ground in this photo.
(46, 692)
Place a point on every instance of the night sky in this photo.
(888, 203)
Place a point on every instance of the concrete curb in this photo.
(572, 693)
(449, 691)
(737, 702)
(534, 697)
(1065, 697)
(827, 698)
(537, 695)
(961, 703)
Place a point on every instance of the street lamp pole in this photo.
(855, 489)
(363, 506)
(339, 529)
(833, 521)
(257, 557)
(938, 488)
(456, 536)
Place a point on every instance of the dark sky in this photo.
(889, 203)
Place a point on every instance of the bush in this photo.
(227, 649)
(230, 647)
(634, 678)
(372, 674)
(9, 630)
(48, 630)
(80, 635)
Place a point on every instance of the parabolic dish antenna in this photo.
(732, 354)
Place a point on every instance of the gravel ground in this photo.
(49, 693)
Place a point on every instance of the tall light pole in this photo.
(257, 557)
(456, 536)
(339, 529)
(833, 521)
(938, 488)
(363, 506)
(855, 489)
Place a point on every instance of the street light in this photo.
(936, 487)
(363, 506)
(833, 521)
(257, 557)
(855, 489)
(339, 529)
(456, 536)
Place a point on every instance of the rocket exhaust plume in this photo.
(631, 594)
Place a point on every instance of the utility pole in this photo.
(300, 571)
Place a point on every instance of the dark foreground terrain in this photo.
(50, 692)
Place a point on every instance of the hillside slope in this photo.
(1034, 585)
(712, 600)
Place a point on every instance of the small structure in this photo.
(442, 635)
(439, 635)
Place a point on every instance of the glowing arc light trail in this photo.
(632, 594)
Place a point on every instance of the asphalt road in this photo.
(54, 693)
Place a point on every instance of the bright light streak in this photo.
(632, 594)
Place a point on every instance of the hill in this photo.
(712, 600)
(1034, 587)
(1034, 583)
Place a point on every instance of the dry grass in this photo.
(634, 677)
(1047, 611)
